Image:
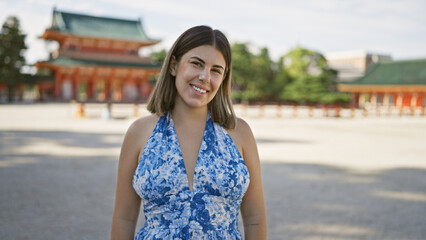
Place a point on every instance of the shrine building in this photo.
(97, 59)
(400, 84)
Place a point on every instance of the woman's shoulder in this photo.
(241, 129)
(142, 127)
(242, 135)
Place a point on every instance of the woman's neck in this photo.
(184, 114)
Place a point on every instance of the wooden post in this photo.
(326, 111)
(244, 108)
(365, 111)
(295, 112)
(80, 111)
(136, 110)
(261, 110)
(310, 111)
(353, 111)
(338, 111)
(279, 111)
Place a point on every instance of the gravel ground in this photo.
(324, 178)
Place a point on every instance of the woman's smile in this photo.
(198, 89)
(198, 75)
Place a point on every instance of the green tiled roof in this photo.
(408, 72)
(99, 27)
(79, 62)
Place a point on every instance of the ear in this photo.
(173, 66)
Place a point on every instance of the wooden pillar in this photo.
(94, 83)
(144, 88)
(261, 110)
(118, 90)
(89, 89)
(373, 100)
(108, 85)
(279, 111)
(354, 99)
(386, 103)
(40, 91)
(75, 84)
(20, 92)
(386, 100)
(361, 100)
(58, 83)
(413, 103)
(399, 103)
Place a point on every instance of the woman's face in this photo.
(198, 74)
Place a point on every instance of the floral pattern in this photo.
(172, 211)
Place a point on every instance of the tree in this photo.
(242, 72)
(311, 80)
(264, 75)
(158, 57)
(12, 46)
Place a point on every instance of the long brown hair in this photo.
(163, 97)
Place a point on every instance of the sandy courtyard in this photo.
(324, 178)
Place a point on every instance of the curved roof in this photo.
(83, 62)
(99, 27)
(407, 72)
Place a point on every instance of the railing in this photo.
(119, 110)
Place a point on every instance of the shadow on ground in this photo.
(44, 196)
(326, 202)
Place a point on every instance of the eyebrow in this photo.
(201, 60)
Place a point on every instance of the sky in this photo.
(391, 27)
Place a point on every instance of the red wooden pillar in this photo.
(354, 99)
(58, 84)
(144, 88)
(94, 85)
(109, 84)
(40, 91)
(76, 84)
(89, 89)
(107, 89)
(20, 92)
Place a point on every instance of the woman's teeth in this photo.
(199, 89)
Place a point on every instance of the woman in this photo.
(192, 162)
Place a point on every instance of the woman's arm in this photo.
(127, 202)
(253, 209)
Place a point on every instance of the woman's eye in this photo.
(217, 71)
(196, 64)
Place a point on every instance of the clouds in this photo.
(395, 27)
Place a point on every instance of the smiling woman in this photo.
(193, 163)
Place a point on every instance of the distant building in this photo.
(390, 84)
(351, 65)
(97, 59)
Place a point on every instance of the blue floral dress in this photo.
(172, 211)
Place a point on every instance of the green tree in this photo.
(12, 46)
(281, 79)
(158, 57)
(264, 74)
(242, 72)
(311, 80)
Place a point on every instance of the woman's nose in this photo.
(204, 75)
